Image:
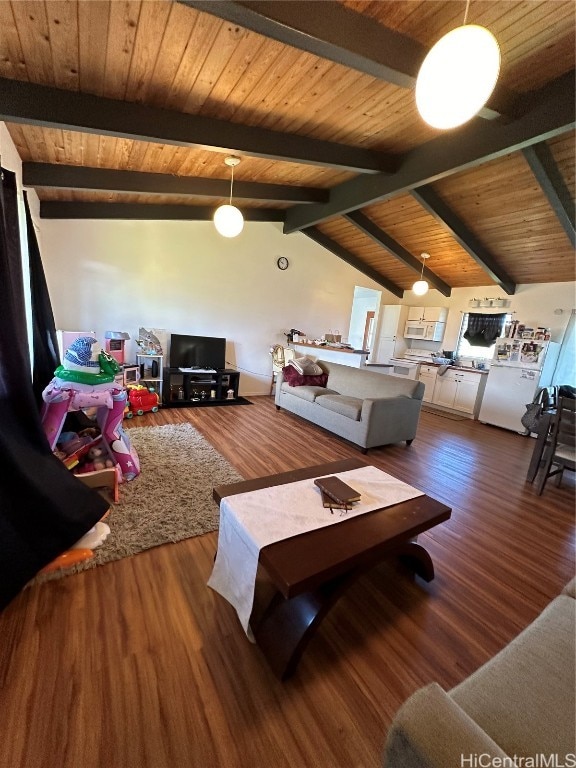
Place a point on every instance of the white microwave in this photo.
(424, 329)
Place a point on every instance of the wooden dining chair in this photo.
(560, 452)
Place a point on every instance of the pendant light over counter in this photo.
(228, 220)
(458, 75)
(420, 287)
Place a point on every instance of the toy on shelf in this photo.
(140, 400)
(72, 447)
(115, 341)
(149, 343)
(96, 458)
(86, 380)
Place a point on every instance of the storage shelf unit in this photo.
(152, 372)
(192, 389)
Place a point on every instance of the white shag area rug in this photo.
(169, 501)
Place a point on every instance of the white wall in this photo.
(185, 278)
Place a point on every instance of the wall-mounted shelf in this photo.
(489, 303)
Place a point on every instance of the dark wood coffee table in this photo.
(312, 570)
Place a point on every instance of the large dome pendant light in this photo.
(458, 75)
(420, 287)
(228, 220)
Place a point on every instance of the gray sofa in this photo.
(519, 704)
(367, 408)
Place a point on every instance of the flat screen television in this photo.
(197, 352)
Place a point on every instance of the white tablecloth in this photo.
(250, 521)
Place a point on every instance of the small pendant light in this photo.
(420, 287)
(228, 220)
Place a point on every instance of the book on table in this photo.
(337, 490)
(329, 503)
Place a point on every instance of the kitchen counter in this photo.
(459, 368)
(352, 357)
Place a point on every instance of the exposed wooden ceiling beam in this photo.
(551, 114)
(373, 231)
(331, 31)
(448, 220)
(328, 30)
(33, 104)
(331, 245)
(541, 162)
(51, 176)
(55, 209)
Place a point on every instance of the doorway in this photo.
(368, 330)
(364, 317)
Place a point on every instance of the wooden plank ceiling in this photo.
(127, 109)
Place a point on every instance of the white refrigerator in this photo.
(519, 368)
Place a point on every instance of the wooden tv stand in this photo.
(194, 384)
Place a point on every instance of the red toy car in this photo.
(140, 400)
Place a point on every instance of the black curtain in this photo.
(44, 342)
(483, 330)
(44, 509)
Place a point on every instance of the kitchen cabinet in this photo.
(389, 337)
(428, 375)
(460, 391)
(436, 314)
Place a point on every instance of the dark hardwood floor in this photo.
(137, 664)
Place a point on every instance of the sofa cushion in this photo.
(524, 697)
(296, 379)
(366, 384)
(306, 393)
(342, 404)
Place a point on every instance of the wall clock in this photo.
(282, 262)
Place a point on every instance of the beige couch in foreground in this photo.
(518, 705)
(364, 407)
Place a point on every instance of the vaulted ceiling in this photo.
(127, 109)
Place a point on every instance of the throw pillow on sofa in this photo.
(306, 366)
(295, 379)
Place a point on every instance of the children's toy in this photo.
(115, 341)
(85, 380)
(118, 441)
(148, 342)
(96, 536)
(140, 400)
(68, 558)
(96, 458)
(85, 364)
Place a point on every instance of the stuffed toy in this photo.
(96, 458)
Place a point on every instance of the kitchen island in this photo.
(356, 358)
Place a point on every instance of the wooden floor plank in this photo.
(138, 664)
